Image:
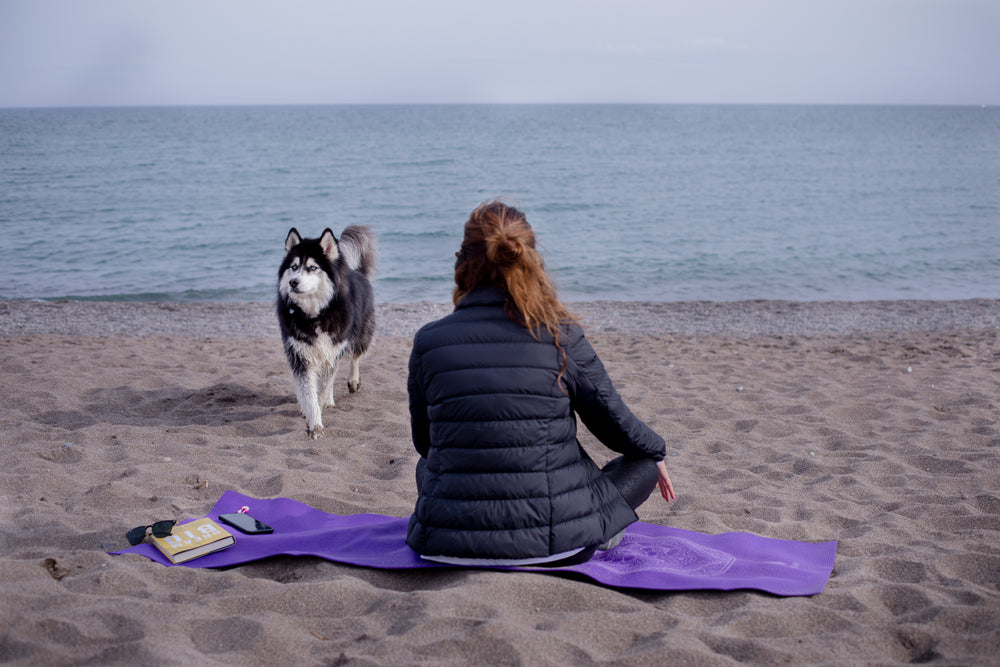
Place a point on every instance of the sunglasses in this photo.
(158, 529)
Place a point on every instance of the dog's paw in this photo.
(316, 432)
(353, 386)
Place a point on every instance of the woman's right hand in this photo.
(666, 486)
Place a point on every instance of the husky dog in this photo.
(326, 310)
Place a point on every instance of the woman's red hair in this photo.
(499, 250)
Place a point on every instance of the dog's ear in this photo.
(328, 242)
(293, 239)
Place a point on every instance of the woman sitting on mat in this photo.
(494, 390)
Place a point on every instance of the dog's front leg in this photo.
(326, 388)
(306, 389)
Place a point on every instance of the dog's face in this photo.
(306, 274)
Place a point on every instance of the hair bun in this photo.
(504, 251)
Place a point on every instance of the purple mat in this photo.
(649, 557)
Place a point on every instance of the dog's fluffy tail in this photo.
(359, 249)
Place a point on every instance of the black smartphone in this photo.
(246, 524)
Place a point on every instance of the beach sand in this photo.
(875, 424)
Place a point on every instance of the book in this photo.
(194, 539)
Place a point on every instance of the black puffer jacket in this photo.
(501, 473)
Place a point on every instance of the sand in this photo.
(875, 424)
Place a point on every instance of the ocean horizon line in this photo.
(294, 105)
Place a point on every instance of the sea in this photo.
(629, 202)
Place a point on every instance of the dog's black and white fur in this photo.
(326, 310)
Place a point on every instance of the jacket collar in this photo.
(483, 296)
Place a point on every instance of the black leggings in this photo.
(635, 479)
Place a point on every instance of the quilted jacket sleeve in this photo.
(419, 421)
(598, 404)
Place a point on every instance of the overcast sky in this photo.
(167, 52)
